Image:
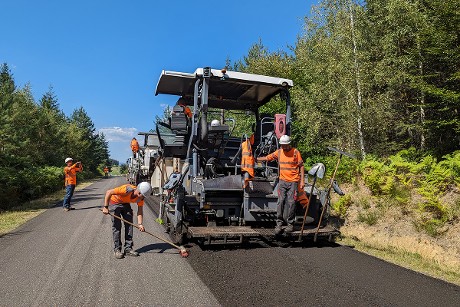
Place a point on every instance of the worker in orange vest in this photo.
(119, 199)
(106, 172)
(134, 147)
(247, 160)
(70, 172)
(291, 178)
(186, 108)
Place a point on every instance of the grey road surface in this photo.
(66, 259)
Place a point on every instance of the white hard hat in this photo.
(144, 188)
(285, 139)
(68, 159)
(215, 123)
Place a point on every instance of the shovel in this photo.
(316, 171)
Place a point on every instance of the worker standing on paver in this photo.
(134, 147)
(291, 177)
(70, 172)
(187, 111)
(247, 160)
(119, 201)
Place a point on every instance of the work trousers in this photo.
(124, 211)
(285, 210)
(69, 189)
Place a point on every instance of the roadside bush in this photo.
(363, 202)
(396, 176)
(341, 206)
(369, 217)
(347, 170)
(9, 181)
(377, 176)
(39, 181)
(429, 226)
(453, 212)
(29, 183)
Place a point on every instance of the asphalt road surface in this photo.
(280, 274)
(66, 259)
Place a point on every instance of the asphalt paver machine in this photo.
(205, 197)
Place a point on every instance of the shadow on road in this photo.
(13, 233)
(76, 199)
(160, 247)
(85, 208)
(257, 244)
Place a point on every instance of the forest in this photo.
(378, 79)
(36, 137)
(372, 78)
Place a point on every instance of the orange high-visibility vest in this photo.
(247, 159)
(124, 195)
(71, 174)
(289, 164)
(187, 110)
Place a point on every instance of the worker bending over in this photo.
(119, 201)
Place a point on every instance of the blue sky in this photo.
(107, 55)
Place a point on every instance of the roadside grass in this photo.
(16, 216)
(409, 260)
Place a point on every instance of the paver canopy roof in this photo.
(227, 90)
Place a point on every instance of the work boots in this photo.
(130, 252)
(289, 228)
(119, 254)
(278, 230)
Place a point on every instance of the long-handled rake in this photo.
(182, 251)
(331, 182)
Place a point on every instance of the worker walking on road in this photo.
(291, 177)
(119, 199)
(70, 172)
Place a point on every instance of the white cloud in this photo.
(119, 134)
(119, 140)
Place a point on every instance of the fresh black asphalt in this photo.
(321, 274)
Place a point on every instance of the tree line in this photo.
(379, 79)
(36, 137)
(372, 77)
